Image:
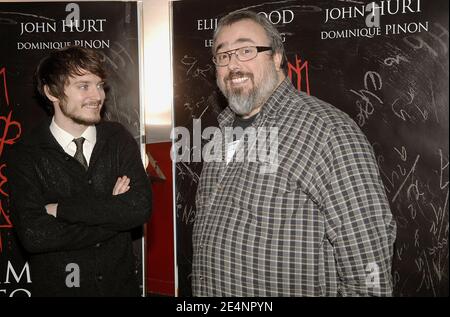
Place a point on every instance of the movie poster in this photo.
(29, 31)
(384, 63)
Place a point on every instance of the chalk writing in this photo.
(184, 169)
(406, 178)
(403, 112)
(389, 61)
(372, 83)
(439, 220)
(193, 107)
(443, 167)
(188, 214)
(403, 154)
(194, 69)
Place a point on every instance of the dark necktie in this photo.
(79, 153)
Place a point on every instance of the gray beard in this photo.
(240, 103)
(243, 103)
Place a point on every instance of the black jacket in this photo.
(92, 227)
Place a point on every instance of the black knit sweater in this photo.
(92, 227)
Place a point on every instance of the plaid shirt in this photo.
(318, 225)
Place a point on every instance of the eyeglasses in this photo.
(243, 54)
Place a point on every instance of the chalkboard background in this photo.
(395, 86)
(119, 30)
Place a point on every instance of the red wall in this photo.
(159, 230)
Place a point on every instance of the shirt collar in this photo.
(90, 134)
(64, 138)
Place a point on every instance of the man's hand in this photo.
(51, 209)
(122, 185)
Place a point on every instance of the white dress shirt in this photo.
(65, 139)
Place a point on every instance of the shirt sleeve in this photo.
(120, 212)
(38, 231)
(359, 223)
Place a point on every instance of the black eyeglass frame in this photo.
(259, 49)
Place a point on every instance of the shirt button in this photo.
(100, 277)
(98, 245)
(201, 278)
(67, 158)
(90, 181)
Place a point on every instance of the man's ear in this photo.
(49, 94)
(277, 59)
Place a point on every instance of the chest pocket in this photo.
(272, 200)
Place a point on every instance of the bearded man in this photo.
(317, 223)
(77, 185)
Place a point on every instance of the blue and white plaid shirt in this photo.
(318, 225)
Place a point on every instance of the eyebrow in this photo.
(88, 82)
(239, 40)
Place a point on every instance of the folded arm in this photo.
(121, 212)
(121, 186)
(38, 231)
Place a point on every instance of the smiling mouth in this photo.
(239, 80)
(92, 106)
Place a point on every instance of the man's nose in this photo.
(234, 62)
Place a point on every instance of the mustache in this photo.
(238, 74)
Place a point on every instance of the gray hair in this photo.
(276, 42)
